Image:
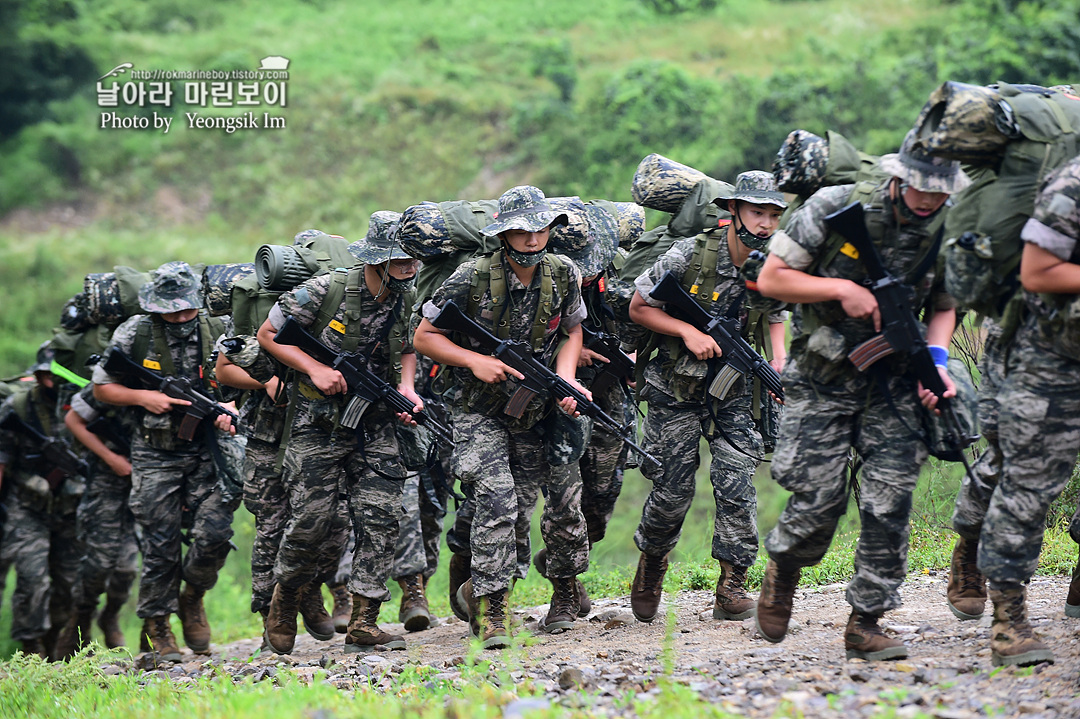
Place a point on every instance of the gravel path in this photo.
(609, 656)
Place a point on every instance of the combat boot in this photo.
(109, 623)
(1012, 639)
(317, 621)
(75, 634)
(460, 569)
(647, 587)
(414, 612)
(487, 616)
(280, 629)
(732, 601)
(34, 646)
(584, 603)
(193, 620)
(342, 612)
(160, 638)
(264, 647)
(364, 633)
(564, 605)
(966, 590)
(775, 601)
(863, 639)
(1072, 602)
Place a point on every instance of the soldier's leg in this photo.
(601, 480)
(265, 498)
(482, 461)
(107, 534)
(434, 500)
(26, 547)
(529, 468)
(409, 556)
(735, 536)
(889, 473)
(211, 532)
(65, 555)
(157, 478)
(562, 525)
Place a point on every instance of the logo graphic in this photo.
(274, 62)
(117, 71)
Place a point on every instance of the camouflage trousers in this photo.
(601, 480)
(973, 499)
(171, 490)
(673, 432)
(1039, 433)
(820, 426)
(106, 529)
(45, 552)
(506, 471)
(321, 466)
(264, 497)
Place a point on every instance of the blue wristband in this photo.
(940, 355)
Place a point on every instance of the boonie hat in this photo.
(757, 187)
(173, 287)
(380, 244)
(44, 358)
(523, 208)
(923, 171)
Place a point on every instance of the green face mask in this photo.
(182, 329)
(525, 259)
(400, 286)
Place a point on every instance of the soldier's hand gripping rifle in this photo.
(119, 364)
(54, 459)
(619, 366)
(364, 385)
(899, 329)
(740, 358)
(539, 379)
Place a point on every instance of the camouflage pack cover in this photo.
(173, 287)
(112, 297)
(601, 242)
(961, 122)
(75, 317)
(806, 162)
(662, 184)
(631, 219)
(218, 281)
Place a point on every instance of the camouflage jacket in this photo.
(1055, 227)
(90, 408)
(674, 371)
(16, 448)
(567, 312)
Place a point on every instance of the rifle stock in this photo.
(365, 386)
(539, 379)
(619, 366)
(737, 353)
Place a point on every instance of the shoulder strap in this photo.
(700, 277)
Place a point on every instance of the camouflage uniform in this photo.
(504, 462)
(678, 416)
(106, 526)
(324, 461)
(1039, 422)
(174, 483)
(39, 536)
(831, 407)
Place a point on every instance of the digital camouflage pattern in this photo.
(1039, 422)
(265, 498)
(923, 171)
(959, 122)
(523, 208)
(662, 184)
(173, 287)
(251, 358)
(380, 244)
(601, 242)
(801, 162)
(218, 281)
(757, 187)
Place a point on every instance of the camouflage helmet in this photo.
(756, 187)
(523, 208)
(173, 287)
(380, 244)
(923, 171)
(44, 358)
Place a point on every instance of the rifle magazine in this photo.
(353, 412)
(519, 401)
(722, 382)
(870, 351)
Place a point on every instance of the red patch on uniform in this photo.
(751, 285)
(600, 284)
(553, 323)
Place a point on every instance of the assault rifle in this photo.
(54, 458)
(899, 329)
(539, 379)
(109, 430)
(738, 355)
(619, 365)
(365, 386)
(119, 364)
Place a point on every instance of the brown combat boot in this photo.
(647, 587)
(265, 645)
(564, 605)
(75, 635)
(732, 601)
(414, 612)
(775, 601)
(160, 638)
(1072, 602)
(342, 612)
(280, 630)
(584, 603)
(1013, 642)
(487, 616)
(193, 620)
(966, 591)
(364, 632)
(460, 569)
(109, 623)
(863, 639)
(317, 621)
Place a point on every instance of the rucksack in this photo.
(1012, 136)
